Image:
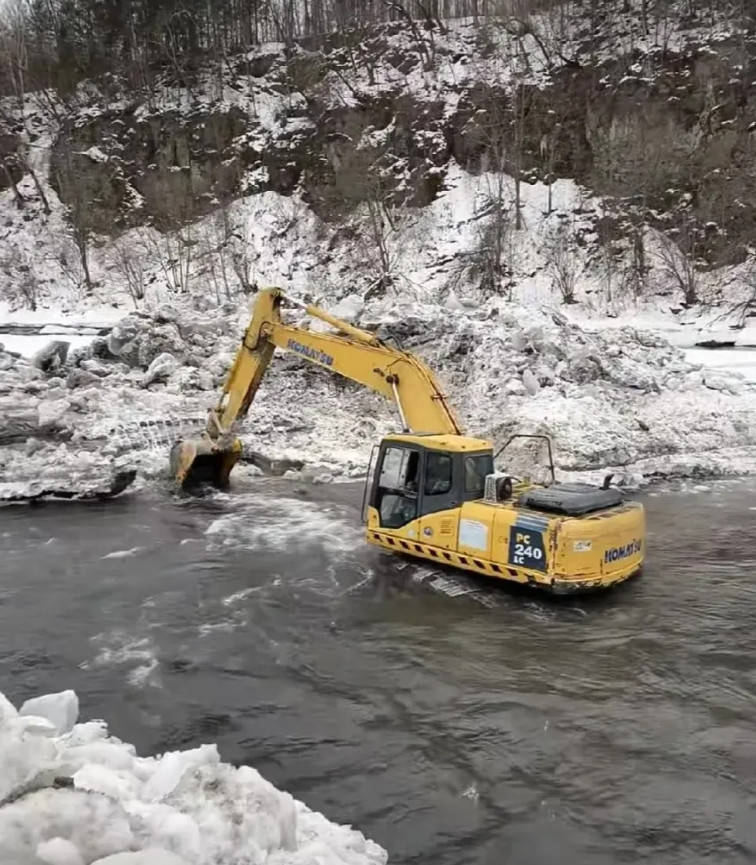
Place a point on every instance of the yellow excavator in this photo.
(433, 493)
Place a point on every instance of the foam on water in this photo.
(285, 525)
(124, 554)
(119, 648)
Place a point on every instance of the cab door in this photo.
(395, 495)
(440, 499)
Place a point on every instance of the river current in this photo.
(451, 722)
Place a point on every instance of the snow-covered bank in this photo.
(617, 399)
(72, 794)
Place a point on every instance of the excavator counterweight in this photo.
(435, 493)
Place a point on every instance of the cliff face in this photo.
(664, 133)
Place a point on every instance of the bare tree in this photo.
(678, 262)
(382, 224)
(562, 262)
(18, 264)
(130, 264)
(83, 218)
(223, 254)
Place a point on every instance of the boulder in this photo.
(123, 335)
(52, 356)
(531, 383)
(160, 369)
(160, 340)
(52, 415)
(80, 378)
(165, 313)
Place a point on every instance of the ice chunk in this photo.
(70, 794)
(96, 825)
(172, 767)
(34, 725)
(60, 709)
(109, 782)
(59, 851)
(160, 369)
(7, 710)
(52, 414)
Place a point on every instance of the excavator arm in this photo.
(353, 353)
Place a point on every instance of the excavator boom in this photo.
(353, 353)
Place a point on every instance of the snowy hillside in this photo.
(415, 180)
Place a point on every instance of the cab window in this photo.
(399, 469)
(438, 474)
(476, 469)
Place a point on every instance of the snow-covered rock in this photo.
(158, 340)
(160, 369)
(52, 356)
(82, 796)
(54, 415)
(81, 377)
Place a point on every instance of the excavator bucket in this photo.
(203, 461)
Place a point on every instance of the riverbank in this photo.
(613, 397)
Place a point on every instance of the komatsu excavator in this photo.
(433, 493)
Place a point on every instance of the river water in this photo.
(452, 728)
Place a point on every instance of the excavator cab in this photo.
(419, 475)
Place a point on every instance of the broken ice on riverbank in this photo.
(72, 794)
(618, 399)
